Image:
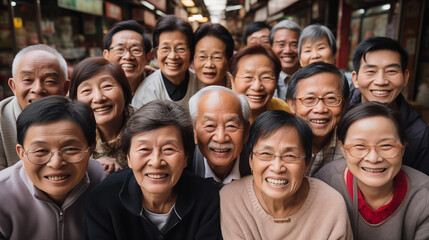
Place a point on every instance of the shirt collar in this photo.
(233, 175)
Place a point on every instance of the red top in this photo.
(377, 216)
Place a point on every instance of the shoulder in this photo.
(9, 175)
(192, 184)
(8, 105)
(331, 171)
(95, 171)
(416, 178)
(278, 104)
(236, 188)
(324, 191)
(111, 185)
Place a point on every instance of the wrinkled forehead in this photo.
(37, 59)
(218, 102)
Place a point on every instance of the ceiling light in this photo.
(188, 3)
(160, 13)
(233, 8)
(385, 7)
(148, 5)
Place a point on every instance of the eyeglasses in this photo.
(179, 50)
(265, 79)
(331, 101)
(120, 51)
(385, 150)
(214, 58)
(40, 155)
(286, 157)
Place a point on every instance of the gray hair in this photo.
(315, 32)
(285, 24)
(40, 47)
(195, 99)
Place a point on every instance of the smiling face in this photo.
(133, 66)
(38, 75)
(373, 171)
(321, 118)
(210, 61)
(57, 177)
(285, 46)
(380, 77)
(174, 65)
(105, 97)
(261, 37)
(316, 51)
(256, 80)
(220, 130)
(277, 179)
(157, 159)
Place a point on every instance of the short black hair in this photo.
(367, 110)
(252, 28)
(157, 114)
(56, 108)
(378, 43)
(171, 23)
(131, 25)
(269, 122)
(218, 31)
(313, 69)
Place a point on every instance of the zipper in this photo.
(60, 224)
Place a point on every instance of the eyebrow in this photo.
(233, 118)
(374, 66)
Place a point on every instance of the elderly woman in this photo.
(278, 201)
(213, 47)
(319, 94)
(254, 72)
(104, 87)
(155, 198)
(316, 44)
(173, 40)
(385, 199)
(42, 195)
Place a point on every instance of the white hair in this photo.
(40, 47)
(195, 99)
(285, 24)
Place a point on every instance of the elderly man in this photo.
(37, 71)
(284, 37)
(380, 73)
(318, 93)
(257, 33)
(124, 44)
(221, 124)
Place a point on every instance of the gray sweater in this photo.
(9, 112)
(409, 221)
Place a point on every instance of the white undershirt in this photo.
(160, 220)
(233, 175)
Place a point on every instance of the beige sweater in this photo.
(323, 215)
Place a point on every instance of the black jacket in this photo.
(114, 210)
(416, 131)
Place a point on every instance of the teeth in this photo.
(277, 182)
(380, 91)
(220, 150)
(56, 178)
(157, 176)
(173, 64)
(374, 170)
(101, 109)
(319, 121)
(255, 97)
(127, 65)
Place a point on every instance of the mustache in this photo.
(221, 145)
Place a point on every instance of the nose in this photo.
(380, 79)
(172, 54)
(38, 87)
(373, 156)
(315, 54)
(256, 83)
(287, 48)
(220, 135)
(209, 62)
(56, 160)
(127, 54)
(98, 95)
(277, 165)
(320, 107)
(156, 158)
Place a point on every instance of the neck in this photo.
(110, 131)
(177, 80)
(377, 197)
(291, 71)
(135, 83)
(221, 172)
(281, 208)
(159, 203)
(320, 142)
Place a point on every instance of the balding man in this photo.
(221, 125)
(37, 71)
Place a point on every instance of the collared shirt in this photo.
(329, 153)
(281, 86)
(233, 175)
(176, 92)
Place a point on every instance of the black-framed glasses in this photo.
(165, 50)
(384, 150)
(329, 101)
(286, 157)
(41, 155)
(120, 51)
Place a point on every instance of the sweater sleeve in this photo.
(422, 231)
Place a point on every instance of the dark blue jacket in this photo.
(114, 210)
(416, 131)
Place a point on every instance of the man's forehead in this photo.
(125, 36)
(389, 58)
(40, 60)
(219, 100)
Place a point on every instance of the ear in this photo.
(130, 165)
(232, 81)
(195, 137)
(66, 87)
(292, 106)
(149, 56)
(354, 79)
(406, 76)
(341, 146)
(11, 84)
(251, 161)
(106, 54)
(246, 130)
(20, 151)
